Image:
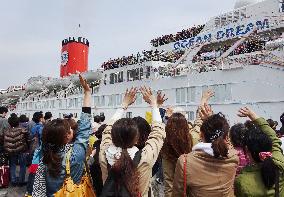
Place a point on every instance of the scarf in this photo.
(205, 147)
(113, 153)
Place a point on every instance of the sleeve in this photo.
(80, 146)
(238, 189)
(277, 154)
(178, 182)
(107, 141)
(33, 130)
(155, 140)
(195, 131)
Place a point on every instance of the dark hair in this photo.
(37, 116)
(237, 135)
(97, 119)
(178, 139)
(73, 125)
(144, 130)
(13, 115)
(13, 120)
(102, 116)
(273, 124)
(53, 139)
(3, 110)
(282, 118)
(47, 115)
(23, 118)
(99, 132)
(68, 116)
(215, 129)
(256, 142)
(124, 135)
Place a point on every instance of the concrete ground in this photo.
(13, 192)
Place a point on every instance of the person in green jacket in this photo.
(267, 169)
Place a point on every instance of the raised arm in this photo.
(82, 137)
(277, 154)
(129, 98)
(156, 138)
(203, 112)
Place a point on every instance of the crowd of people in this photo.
(248, 46)
(120, 156)
(184, 34)
(151, 55)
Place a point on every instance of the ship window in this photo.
(148, 72)
(118, 99)
(70, 104)
(102, 103)
(120, 77)
(141, 73)
(80, 102)
(180, 95)
(177, 95)
(191, 92)
(96, 101)
(111, 78)
(110, 100)
(190, 115)
(129, 75)
(136, 74)
(139, 99)
(222, 92)
(228, 92)
(129, 115)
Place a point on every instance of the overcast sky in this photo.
(32, 30)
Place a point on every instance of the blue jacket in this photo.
(77, 157)
(37, 129)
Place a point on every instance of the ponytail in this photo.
(125, 173)
(220, 147)
(215, 129)
(269, 172)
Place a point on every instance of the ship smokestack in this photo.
(74, 56)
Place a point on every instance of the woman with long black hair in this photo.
(58, 140)
(265, 176)
(126, 170)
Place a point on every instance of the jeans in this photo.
(14, 160)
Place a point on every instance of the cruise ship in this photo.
(238, 54)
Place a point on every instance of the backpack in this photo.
(109, 189)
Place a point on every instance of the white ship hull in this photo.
(258, 86)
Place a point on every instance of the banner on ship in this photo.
(227, 33)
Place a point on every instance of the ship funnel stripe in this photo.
(78, 40)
